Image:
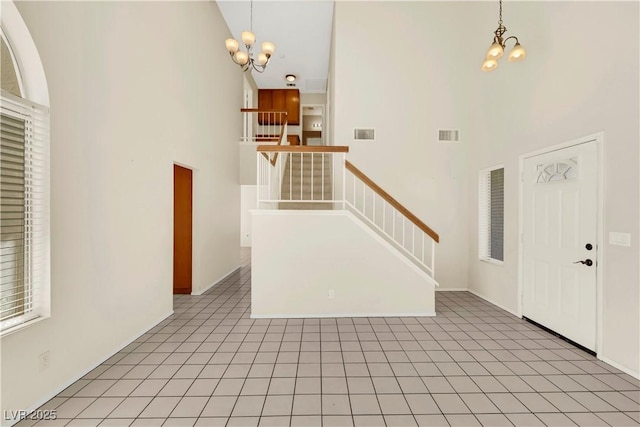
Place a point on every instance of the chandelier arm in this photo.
(504, 42)
(233, 58)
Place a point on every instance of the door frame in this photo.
(193, 218)
(598, 138)
(324, 107)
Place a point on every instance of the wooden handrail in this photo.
(304, 148)
(261, 110)
(393, 202)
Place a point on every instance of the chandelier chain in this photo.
(251, 14)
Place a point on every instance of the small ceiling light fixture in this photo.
(245, 59)
(290, 78)
(496, 50)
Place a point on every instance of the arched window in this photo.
(24, 179)
(8, 71)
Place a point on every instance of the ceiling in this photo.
(301, 31)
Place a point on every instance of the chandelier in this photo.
(496, 50)
(245, 59)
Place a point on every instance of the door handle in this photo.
(586, 262)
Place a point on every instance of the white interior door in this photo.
(559, 226)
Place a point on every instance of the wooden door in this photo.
(182, 229)
(559, 241)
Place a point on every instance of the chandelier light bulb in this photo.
(232, 45)
(262, 58)
(517, 53)
(268, 48)
(489, 65)
(495, 51)
(248, 38)
(241, 57)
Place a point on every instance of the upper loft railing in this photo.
(320, 177)
(264, 126)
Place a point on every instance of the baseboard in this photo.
(84, 372)
(493, 302)
(451, 289)
(328, 315)
(616, 365)
(215, 282)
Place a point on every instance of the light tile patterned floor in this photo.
(211, 365)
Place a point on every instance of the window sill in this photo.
(492, 261)
(22, 326)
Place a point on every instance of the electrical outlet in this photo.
(43, 361)
(332, 294)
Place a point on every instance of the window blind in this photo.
(496, 204)
(491, 214)
(24, 212)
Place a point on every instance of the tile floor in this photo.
(474, 364)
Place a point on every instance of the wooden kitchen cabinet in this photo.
(282, 100)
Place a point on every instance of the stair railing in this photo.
(305, 175)
(397, 224)
(320, 177)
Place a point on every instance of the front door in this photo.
(559, 241)
(182, 229)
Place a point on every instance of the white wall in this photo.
(309, 120)
(247, 151)
(126, 103)
(573, 83)
(409, 91)
(248, 202)
(559, 93)
(313, 98)
(298, 257)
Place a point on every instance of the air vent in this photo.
(448, 135)
(291, 84)
(364, 134)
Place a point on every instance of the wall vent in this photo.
(364, 134)
(291, 84)
(448, 135)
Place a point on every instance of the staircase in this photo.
(316, 209)
(307, 177)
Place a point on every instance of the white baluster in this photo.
(323, 176)
(384, 216)
(403, 233)
(373, 198)
(433, 258)
(413, 239)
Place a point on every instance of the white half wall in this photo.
(248, 202)
(134, 88)
(318, 264)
